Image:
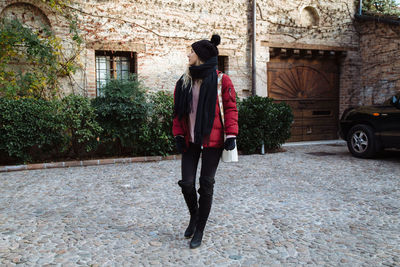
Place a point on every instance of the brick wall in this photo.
(350, 82)
(380, 61)
(161, 31)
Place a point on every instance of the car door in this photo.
(390, 126)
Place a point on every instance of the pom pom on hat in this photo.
(216, 39)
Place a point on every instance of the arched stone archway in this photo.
(28, 14)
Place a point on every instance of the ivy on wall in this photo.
(381, 7)
(33, 61)
(29, 65)
(61, 7)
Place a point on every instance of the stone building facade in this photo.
(380, 61)
(307, 51)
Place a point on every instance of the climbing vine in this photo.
(62, 7)
(32, 61)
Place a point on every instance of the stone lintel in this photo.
(117, 46)
(226, 52)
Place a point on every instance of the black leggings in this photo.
(209, 163)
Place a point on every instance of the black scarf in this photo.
(207, 99)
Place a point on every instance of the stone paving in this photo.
(283, 209)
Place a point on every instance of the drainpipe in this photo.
(253, 51)
(360, 10)
(253, 60)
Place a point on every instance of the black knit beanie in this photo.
(205, 49)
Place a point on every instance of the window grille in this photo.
(113, 65)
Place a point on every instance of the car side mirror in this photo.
(395, 101)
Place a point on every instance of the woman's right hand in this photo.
(230, 143)
(180, 143)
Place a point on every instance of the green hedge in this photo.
(262, 121)
(156, 137)
(121, 110)
(36, 129)
(124, 121)
(29, 125)
(80, 126)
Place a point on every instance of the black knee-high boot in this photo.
(206, 191)
(190, 195)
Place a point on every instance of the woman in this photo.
(198, 129)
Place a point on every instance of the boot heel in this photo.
(192, 226)
(188, 236)
(189, 233)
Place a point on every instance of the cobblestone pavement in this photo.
(283, 209)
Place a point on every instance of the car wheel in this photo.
(361, 141)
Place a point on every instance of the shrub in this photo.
(81, 128)
(262, 121)
(31, 62)
(157, 138)
(121, 111)
(29, 124)
(132, 89)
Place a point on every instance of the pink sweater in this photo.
(192, 115)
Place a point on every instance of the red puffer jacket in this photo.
(181, 127)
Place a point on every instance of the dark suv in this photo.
(370, 129)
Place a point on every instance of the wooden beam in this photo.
(308, 54)
(297, 53)
(272, 52)
(284, 53)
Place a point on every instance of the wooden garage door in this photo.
(311, 88)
